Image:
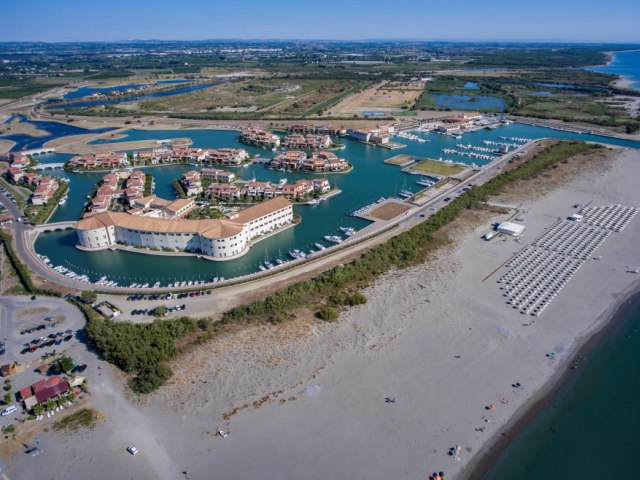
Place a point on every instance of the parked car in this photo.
(9, 410)
(132, 450)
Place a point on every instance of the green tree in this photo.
(160, 311)
(88, 296)
(65, 364)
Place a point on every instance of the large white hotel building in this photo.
(220, 239)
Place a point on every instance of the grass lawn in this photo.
(437, 168)
(401, 159)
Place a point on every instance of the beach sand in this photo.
(306, 399)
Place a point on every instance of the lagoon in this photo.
(96, 103)
(469, 102)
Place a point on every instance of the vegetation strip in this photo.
(21, 270)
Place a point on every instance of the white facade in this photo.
(512, 229)
(217, 238)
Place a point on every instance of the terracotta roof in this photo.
(259, 210)
(25, 392)
(211, 228)
(46, 393)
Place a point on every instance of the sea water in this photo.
(626, 64)
(591, 429)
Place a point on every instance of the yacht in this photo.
(262, 267)
(320, 247)
(279, 261)
(333, 238)
(295, 254)
(268, 264)
(348, 231)
(405, 193)
(156, 285)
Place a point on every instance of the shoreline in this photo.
(609, 322)
(623, 81)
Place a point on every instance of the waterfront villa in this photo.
(260, 138)
(112, 187)
(217, 175)
(380, 135)
(217, 239)
(99, 160)
(170, 154)
(191, 183)
(156, 207)
(44, 191)
(316, 129)
(266, 190)
(306, 142)
(316, 162)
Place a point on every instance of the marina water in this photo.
(370, 180)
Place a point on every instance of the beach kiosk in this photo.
(513, 229)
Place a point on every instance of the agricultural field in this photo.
(17, 87)
(386, 96)
(251, 95)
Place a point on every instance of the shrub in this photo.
(151, 377)
(328, 314)
(357, 299)
(64, 364)
(88, 296)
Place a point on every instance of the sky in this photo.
(476, 20)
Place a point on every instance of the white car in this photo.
(8, 410)
(223, 434)
(132, 450)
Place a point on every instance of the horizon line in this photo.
(390, 39)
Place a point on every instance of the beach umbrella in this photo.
(492, 407)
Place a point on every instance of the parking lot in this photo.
(34, 333)
(170, 301)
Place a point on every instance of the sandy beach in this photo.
(306, 399)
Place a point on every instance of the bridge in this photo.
(52, 227)
(37, 151)
(49, 166)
